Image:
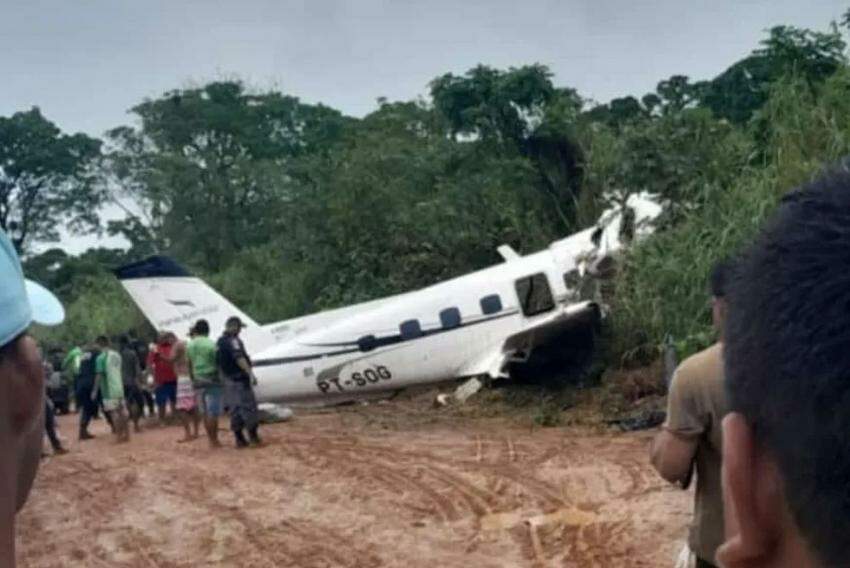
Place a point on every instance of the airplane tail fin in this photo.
(172, 299)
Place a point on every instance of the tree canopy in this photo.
(289, 207)
(45, 177)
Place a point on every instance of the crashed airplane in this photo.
(487, 323)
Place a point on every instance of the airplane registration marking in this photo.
(357, 378)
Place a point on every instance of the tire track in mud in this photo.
(404, 477)
(596, 543)
(323, 494)
(479, 501)
(314, 545)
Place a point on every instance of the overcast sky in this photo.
(86, 62)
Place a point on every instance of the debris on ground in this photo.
(640, 421)
(467, 389)
(273, 413)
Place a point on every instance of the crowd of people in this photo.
(171, 381)
(761, 418)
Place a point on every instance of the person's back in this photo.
(160, 364)
(692, 435)
(203, 364)
(83, 387)
(131, 370)
(109, 364)
(696, 407)
(87, 372)
(202, 356)
(71, 363)
(230, 349)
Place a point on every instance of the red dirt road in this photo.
(356, 487)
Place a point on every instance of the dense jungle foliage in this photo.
(288, 207)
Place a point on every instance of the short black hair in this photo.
(102, 340)
(787, 355)
(202, 327)
(718, 280)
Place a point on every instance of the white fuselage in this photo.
(472, 325)
(335, 361)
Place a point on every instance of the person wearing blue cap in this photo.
(22, 303)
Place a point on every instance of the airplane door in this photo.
(534, 294)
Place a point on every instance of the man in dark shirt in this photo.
(84, 384)
(131, 377)
(235, 366)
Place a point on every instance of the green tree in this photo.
(210, 167)
(46, 177)
(493, 104)
(518, 112)
(745, 87)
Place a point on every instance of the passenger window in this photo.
(450, 318)
(535, 296)
(410, 329)
(491, 304)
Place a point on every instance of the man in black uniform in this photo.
(235, 366)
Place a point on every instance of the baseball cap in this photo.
(233, 320)
(22, 301)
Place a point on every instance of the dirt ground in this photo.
(384, 485)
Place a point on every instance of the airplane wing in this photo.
(518, 347)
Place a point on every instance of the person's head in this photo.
(718, 282)
(786, 442)
(123, 342)
(202, 327)
(102, 342)
(22, 302)
(166, 338)
(233, 325)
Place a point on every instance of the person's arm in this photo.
(673, 450)
(246, 367)
(672, 456)
(236, 351)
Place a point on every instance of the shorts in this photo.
(166, 392)
(212, 398)
(185, 394)
(113, 404)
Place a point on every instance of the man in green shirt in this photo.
(205, 378)
(110, 384)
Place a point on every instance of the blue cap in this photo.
(22, 301)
